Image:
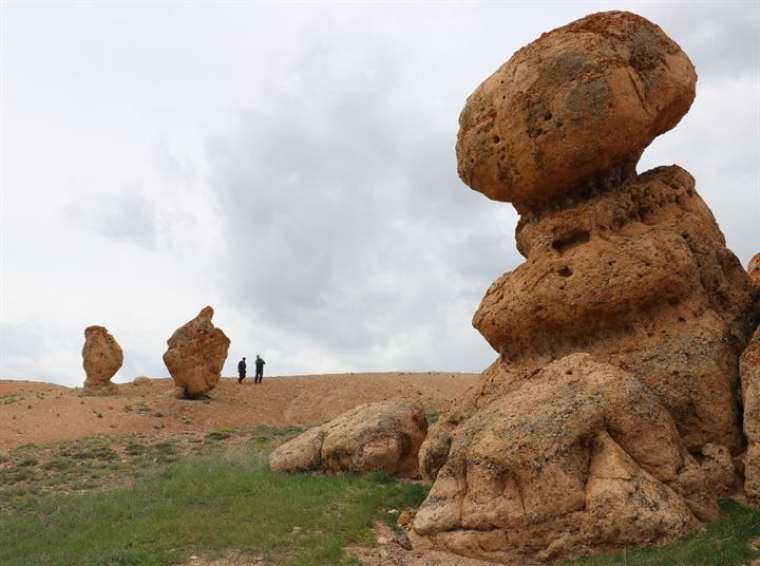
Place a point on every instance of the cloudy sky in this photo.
(293, 165)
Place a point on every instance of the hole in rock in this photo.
(571, 239)
(565, 271)
(548, 116)
(496, 139)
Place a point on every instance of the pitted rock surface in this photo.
(102, 357)
(638, 276)
(578, 104)
(753, 270)
(750, 372)
(376, 436)
(196, 354)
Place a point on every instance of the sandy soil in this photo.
(33, 412)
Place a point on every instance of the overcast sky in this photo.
(293, 166)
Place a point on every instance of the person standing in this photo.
(259, 369)
(241, 370)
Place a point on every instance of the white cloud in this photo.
(294, 167)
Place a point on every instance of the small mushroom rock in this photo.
(102, 357)
(196, 354)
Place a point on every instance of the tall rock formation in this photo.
(102, 357)
(631, 269)
(196, 355)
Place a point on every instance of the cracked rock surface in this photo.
(582, 454)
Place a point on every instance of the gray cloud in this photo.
(346, 224)
(125, 216)
(722, 39)
(345, 221)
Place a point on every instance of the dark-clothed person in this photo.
(242, 367)
(259, 370)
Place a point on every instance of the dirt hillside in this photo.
(34, 412)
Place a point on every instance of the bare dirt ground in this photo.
(39, 413)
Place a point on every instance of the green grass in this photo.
(132, 500)
(725, 542)
(204, 505)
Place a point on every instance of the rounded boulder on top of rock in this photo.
(376, 436)
(579, 103)
(102, 357)
(196, 355)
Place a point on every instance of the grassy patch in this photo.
(205, 505)
(724, 542)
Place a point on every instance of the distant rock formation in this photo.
(142, 380)
(196, 355)
(376, 436)
(534, 463)
(102, 357)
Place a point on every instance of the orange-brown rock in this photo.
(638, 276)
(753, 270)
(580, 457)
(553, 453)
(376, 436)
(196, 355)
(102, 357)
(750, 373)
(575, 107)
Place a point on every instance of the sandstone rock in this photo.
(753, 270)
(196, 355)
(582, 456)
(638, 276)
(142, 380)
(552, 453)
(102, 357)
(376, 436)
(718, 467)
(579, 103)
(750, 374)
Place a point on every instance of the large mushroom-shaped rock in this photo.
(385, 436)
(580, 102)
(581, 457)
(196, 355)
(102, 357)
(633, 269)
